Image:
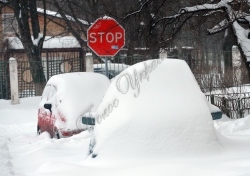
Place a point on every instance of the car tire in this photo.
(57, 134)
(38, 130)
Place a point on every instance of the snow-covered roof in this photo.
(56, 14)
(50, 42)
(53, 13)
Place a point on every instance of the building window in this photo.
(9, 23)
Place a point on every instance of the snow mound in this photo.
(236, 126)
(154, 108)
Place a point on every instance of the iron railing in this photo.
(234, 105)
(209, 74)
(50, 68)
(53, 65)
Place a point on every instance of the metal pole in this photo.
(47, 65)
(106, 66)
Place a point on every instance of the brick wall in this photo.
(53, 26)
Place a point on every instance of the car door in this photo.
(46, 118)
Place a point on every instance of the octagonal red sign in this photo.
(106, 37)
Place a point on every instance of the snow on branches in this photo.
(234, 16)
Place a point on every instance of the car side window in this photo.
(46, 93)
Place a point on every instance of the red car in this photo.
(66, 98)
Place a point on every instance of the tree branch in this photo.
(137, 11)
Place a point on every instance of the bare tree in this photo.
(139, 30)
(236, 19)
(26, 13)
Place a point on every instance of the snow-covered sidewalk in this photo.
(23, 153)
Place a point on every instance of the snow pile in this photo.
(154, 108)
(75, 94)
(234, 127)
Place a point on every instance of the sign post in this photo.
(106, 67)
(106, 38)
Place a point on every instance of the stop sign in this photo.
(106, 37)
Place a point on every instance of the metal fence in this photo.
(55, 64)
(234, 105)
(51, 67)
(26, 85)
(210, 74)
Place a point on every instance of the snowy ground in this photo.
(162, 126)
(24, 153)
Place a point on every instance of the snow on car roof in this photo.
(154, 108)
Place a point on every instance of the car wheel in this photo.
(57, 134)
(38, 130)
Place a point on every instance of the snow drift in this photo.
(154, 108)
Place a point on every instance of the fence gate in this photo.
(57, 63)
(52, 65)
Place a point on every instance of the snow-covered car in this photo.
(153, 108)
(66, 97)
